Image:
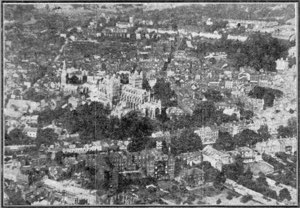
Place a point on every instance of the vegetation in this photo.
(46, 137)
(284, 194)
(162, 90)
(188, 141)
(247, 138)
(17, 137)
(224, 142)
(288, 131)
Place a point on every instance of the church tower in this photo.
(136, 79)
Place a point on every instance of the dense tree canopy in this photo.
(260, 51)
(224, 142)
(162, 90)
(284, 194)
(46, 137)
(263, 132)
(213, 95)
(188, 141)
(247, 138)
(16, 137)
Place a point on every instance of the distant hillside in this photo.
(269, 12)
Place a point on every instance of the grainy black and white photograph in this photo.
(163, 104)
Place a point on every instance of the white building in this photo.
(281, 64)
(216, 158)
(207, 134)
(30, 132)
(272, 146)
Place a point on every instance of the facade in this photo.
(109, 88)
(272, 146)
(208, 135)
(30, 132)
(216, 158)
(145, 163)
(248, 155)
(192, 157)
(70, 78)
(282, 65)
(134, 97)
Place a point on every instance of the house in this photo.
(30, 119)
(30, 132)
(270, 146)
(216, 158)
(248, 155)
(282, 65)
(192, 157)
(162, 135)
(228, 84)
(208, 135)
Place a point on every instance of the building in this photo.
(72, 194)
(192, 157)
(282, 65)
(248, 155)
(12, 171)
(31, 120)
(145, 163)
(109, 88)
(228, 84)
(134, 97)
(30, 132)
(136, 79)
(70, 78)
(125, 24)
(152, 108)
(216, 158)
(115, 32)
(272, 146)
(208, 135)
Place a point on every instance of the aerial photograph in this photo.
(149, 104)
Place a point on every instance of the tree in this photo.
(224, 142)
(246, 198)
(263, 132)
(246, 114)
(162, 91)
(220, 180)
(260, 51)
(46, 137)
(188, 141)
(262, 179)
(59, 157)
(213, 95)
(284, 194)
(146, 85)
(16, 137)
(246, 138)
(137, 144)
(284, 132)
(233, 171)
(268, 99)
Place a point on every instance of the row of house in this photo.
(272, 146)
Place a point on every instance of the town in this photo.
(150, 104)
